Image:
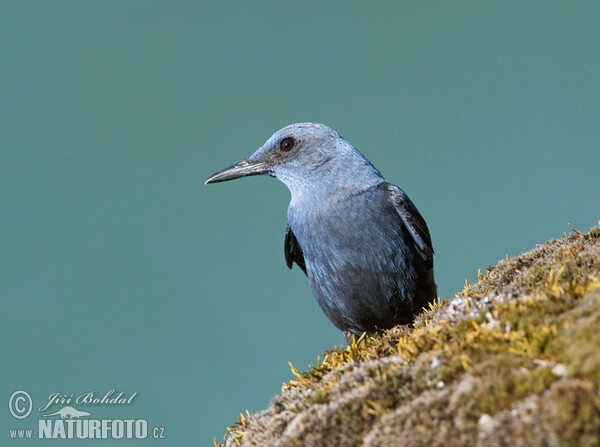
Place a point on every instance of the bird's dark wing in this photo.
(293, 252)
(412, 219)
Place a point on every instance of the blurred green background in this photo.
(119, 269)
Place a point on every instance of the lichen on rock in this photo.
(512, 360)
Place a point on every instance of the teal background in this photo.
(119, 269)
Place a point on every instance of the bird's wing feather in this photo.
(412, 219)
(293, 252)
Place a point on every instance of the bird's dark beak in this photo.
(241, 169)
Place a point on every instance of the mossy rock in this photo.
(513, 360)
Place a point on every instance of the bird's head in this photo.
(302, 155)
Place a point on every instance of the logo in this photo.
(58, 419)
(69, 413)
(16, 407)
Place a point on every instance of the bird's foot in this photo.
(352, 338)
(404, 328)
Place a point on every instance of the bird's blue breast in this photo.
(357, 255)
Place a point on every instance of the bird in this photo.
(360, 240)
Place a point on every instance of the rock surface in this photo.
(513, 360)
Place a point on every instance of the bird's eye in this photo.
(287, 144)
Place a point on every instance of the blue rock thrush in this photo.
(360, 240)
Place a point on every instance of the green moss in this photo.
(579, 345)
(513, 359)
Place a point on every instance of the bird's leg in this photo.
(350, 337)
